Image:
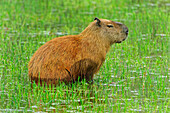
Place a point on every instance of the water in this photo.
(124, 83)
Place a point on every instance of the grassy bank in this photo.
(134, 77)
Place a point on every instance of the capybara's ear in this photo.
(98, 22)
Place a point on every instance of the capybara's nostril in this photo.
(125, 29)
(127, 32)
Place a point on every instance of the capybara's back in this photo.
(76, 57)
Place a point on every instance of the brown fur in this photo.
(74, 57)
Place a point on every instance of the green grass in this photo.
(134, 77)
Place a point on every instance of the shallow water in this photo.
(138, 82)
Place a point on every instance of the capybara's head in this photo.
(114, 32)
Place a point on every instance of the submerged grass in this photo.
(134, 77)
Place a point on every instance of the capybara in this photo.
(75, 57)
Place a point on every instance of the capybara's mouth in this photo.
(118, 41)
(124, 39)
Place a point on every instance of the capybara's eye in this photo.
(109, 25)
